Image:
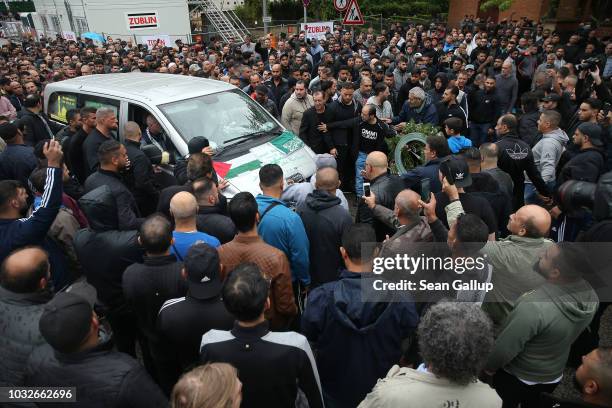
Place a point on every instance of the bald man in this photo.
(411, 227)
(385, 188)
(594, 377)
(513, 259)
(325, 220)
(24, 275)
(184, 208)
(146, 192)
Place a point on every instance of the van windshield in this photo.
(218, 117)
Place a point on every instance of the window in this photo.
(59, 104)
(55, 21)
(100, 102)
(44, 21)
(81, 24)
(219, 117)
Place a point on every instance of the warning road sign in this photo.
(353, 14)
(340, 5)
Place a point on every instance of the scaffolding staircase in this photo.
(225, 23)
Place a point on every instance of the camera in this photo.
(589, 64)
(575, 196)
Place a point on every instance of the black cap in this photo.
(379, 68)
(196, 144)
(456, 171)
(66, 321)
(202, 266)
(593, 131)
(551, 98)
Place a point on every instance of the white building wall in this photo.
(53, 16)
(108, 17)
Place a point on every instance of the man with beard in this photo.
(380, 99)
(113, 159)
(16, 232)
(74, 146)
(309, 133)
(106, 122)
(531, 350)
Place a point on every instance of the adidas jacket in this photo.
(272, 366)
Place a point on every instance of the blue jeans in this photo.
(359, 165)
(531, 194)
(479, 133)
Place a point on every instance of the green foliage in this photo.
(250, 11)
(286, 10)
(19, 6)
(411, 127)
(500, 4)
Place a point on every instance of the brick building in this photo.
(567, 11)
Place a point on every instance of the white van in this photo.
(242, 133)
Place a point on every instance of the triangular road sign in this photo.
(353, 14)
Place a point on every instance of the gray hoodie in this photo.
(547, 152)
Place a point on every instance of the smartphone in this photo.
(425, 190)
(366, 189)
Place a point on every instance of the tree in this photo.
(500, 4)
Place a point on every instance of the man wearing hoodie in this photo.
(532, 348)
(325, 220)
(546, 153)
(341, 325)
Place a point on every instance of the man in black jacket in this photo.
(106, 122)
(343, 113)
(145, 191)
(147, 285)
(24, 279)
(318, 141)
(516, 159)
(209, 218)
(449, 108)
(385, 187)
(587, 165)
(325, 220)
(278, 85)
(80, 354)
(74, 147)
(113, 159)
(268, 363)
(484, 111)
(183, 321)
(35, 122)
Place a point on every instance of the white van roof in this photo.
(156, 88)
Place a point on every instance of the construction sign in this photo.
(353, 14)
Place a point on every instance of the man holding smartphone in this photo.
(370, 136)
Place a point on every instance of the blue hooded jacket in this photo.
(283, 229)
(356, 342)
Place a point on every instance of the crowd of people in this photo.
(144, 289)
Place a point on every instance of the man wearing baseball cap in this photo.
(80, 354)
(182, 321)
(456, 171)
